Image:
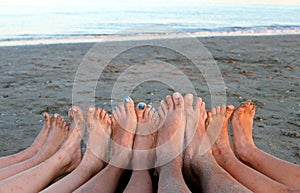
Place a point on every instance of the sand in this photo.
(266, 69)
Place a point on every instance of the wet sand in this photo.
(266, 69)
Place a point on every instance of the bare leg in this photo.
(199, 163)
(30, 151)
(65, 160)
(170, 144)
(98, 124)
(53, 142)
(244, 147)
(144, 152)
(123, 129)
(222, 152)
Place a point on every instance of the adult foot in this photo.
(145, 138)
(32, 150)
(250, 178)
(41, 138)
(124, 122)
(70, 152)
(171, 132)
(98, 126)
(203, 171)
(218, 129)
(96, 151)
(170, 145)
(57, 134)
(195, 135)
(195, 128)
(242, 123)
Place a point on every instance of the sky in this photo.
(99, 2)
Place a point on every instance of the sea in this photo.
(22, 24)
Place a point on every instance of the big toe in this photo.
(242, 108)
(76, 115)
(222, 109)
(169, 102)
(251, 107)
(229, 111)
(90, 113)
(77, 112)
(47, 117)
(188, 102)
(140, 109)
(54, 120)
(129, 106)
(178, 100)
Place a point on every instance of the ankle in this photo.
(222, 154)
(221, 150)
(141, 161)
(207, 156)
(92, 161)
(26, 153)
(246, 153)
(175, 165)
(140, 173)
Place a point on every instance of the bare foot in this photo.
(41, 138)
(124, 122)
(195, 135)
(98, 125)
(200, 166)
(171, 133)
(242, 123)
(30, 151)
(145, 138)
(57, 134)
(70, 152)
(195, 128)
(170, 145)
(218, 126)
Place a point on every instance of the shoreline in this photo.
(137, 37)
(40, 78)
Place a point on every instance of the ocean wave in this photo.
(236, 30)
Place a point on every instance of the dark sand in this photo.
(37, 79)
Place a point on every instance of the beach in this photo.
(265, 69)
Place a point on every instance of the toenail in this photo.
(149, 106)
(141, 106)
(189, 96)
(176, 95)
(91, 109)
(127, 99)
